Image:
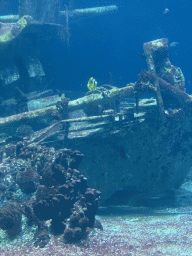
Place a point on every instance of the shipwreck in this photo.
(137, 137)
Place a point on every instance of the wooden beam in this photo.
(72, 14)
(100, 98)
(89, 11)
(9, 18)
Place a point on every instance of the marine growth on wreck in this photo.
(62, 159)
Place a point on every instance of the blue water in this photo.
(108, 48)
(110, 44)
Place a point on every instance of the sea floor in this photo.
(127, 231)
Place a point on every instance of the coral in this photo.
(28, 212)
(61, 197)
(41, 236)
(55, 206)
(64, 194)
(62, 109)
(53, 175)
(92, 202)
(28, 180)
(68, 158)
(75, 159)
(68, 234)
(10, 218)
(77, 227)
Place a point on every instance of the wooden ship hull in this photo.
(137, 137)
(138, 155)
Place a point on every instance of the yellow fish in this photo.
(92, 84)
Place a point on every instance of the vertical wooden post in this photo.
(149, 49)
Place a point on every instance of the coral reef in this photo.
(28, 180)
(51, 189)
(64, 194)
(10, 218)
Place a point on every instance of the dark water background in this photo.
(110, 44)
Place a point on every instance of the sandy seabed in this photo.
(144, 232)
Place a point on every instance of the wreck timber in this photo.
(72, 106)
(134, 152)
(9, 18)
(144, 147)
(90, 11)
(72, 14)
(145, 150)
(16, 47)
(94, 99)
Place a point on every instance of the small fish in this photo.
(166, 11)
(173, 44)
(92, 84)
